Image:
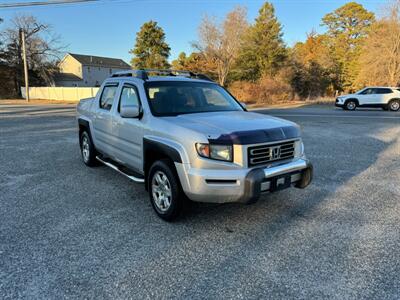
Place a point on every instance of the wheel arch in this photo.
(154, 150)
(84, 125)
(352, 99)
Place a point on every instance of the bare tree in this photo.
(380, 58)
(42, 45)
(220, 43)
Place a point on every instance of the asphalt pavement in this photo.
(68, 231)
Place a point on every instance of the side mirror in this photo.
(130, 111)
(243, 105)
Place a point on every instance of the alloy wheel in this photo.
(161, 189)
(85, 148)
(395, 105)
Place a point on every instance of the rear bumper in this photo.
(243, 185)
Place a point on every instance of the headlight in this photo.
(217, 152)
(299, 149)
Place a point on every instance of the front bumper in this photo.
(339, 103)
(243, 185)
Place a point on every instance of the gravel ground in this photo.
(68, 231)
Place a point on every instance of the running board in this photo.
(118, 169)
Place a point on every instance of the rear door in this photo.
(383, 95)
(103, 116)
(128, 132)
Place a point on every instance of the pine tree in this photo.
(348, 26)
(150, 51)
(264, 51)
(180, 62)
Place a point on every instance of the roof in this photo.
(66, 77)
(381, 87)
(98, 61)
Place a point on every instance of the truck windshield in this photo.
(170, 98)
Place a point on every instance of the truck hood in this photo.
(238, 127)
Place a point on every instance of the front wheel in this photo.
(394, 105)
(350, 105)
(166, 195)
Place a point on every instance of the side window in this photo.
(107, 96)
(374, 91)
(129, 96)
(367, 92)
(384, 91)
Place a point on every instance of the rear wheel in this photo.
(165, 192)
(350, 105)
(394, 105)
(88, 151)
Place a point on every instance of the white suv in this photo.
(387, 98)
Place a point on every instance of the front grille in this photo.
(263, 154)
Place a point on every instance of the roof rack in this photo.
(145, 73)
(141, 74)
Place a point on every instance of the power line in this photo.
(42, 3)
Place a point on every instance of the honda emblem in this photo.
(275, 152)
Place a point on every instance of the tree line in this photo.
(356, 49)
(43, 49)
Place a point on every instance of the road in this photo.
(68, 231)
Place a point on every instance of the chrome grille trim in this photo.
(263, 154)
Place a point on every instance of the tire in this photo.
(394, 105)
(88, 151)
(350, 105)
(166, 195)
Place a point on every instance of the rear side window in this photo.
(383, 91)
(107, 96)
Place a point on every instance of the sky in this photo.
(109, 28)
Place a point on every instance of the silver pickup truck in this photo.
(185, 137)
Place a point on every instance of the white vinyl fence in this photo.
(60, 93)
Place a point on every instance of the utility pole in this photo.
(25, 65)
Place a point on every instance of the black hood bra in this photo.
(257, 136)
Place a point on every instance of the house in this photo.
(77, 70)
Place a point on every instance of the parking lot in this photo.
(68, 231)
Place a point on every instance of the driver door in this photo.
(366, 96)
(128, 132)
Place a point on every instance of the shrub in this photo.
(267, 90)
